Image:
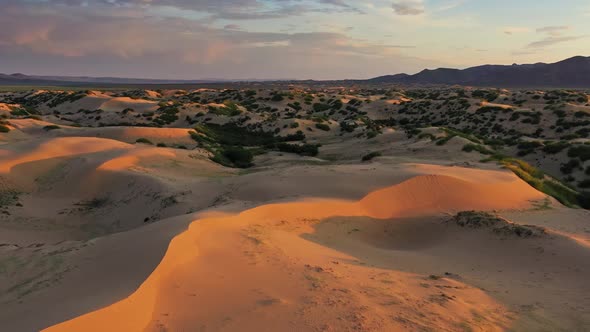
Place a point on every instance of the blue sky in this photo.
(320, 39)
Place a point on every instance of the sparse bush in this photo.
(234, 157)
(51, 127)
(371, 156)
(554, 148)
(570, 166)
(277, 97)
(144, 141)
(479, 148)
(579, 151)
(300, 149)
(298, 136)
(322, 126)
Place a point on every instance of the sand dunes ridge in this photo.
(207, 239)
(438, 193)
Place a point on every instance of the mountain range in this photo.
(570, 73)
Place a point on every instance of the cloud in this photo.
(130, 41)
(553, 30)
(553, 35)
(514, 30)
(552, 40)
(408, 7)
(218, 9)
(450, 5)
(232, 27)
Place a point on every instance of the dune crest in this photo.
(268, 251)
(428, 194)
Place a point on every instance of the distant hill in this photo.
(570, 73)
(22, 79)
(573, 72)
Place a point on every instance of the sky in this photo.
(283, 39)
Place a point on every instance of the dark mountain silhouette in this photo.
(573, 72)
(570, 73)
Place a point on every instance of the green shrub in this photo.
(51, 127)
(568, 168)
(298, 136)
(19, 112)
(443, 140)
(4, 129)
(348, 126)
(554, 148)
(479, 148)
(303, 149)
(234, 135)
(234, 157)
(277, 97)
(549, 186)
(372, 134)
(529, 145)
(581, 151)
(426, 135)
(371, 156)
(322, 126)
(319, 107)
(493, 109)
(144, 141)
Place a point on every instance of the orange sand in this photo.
(206, 278)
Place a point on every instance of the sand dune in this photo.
(131, 134)
(374, 232)
(273, 275)
(33, 127)
(132, 158)
(55, 148)
(429, 194)
(120, 103)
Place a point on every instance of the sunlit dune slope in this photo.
(55, 148)
(254, 270)
(434, 193)
(120, 103)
